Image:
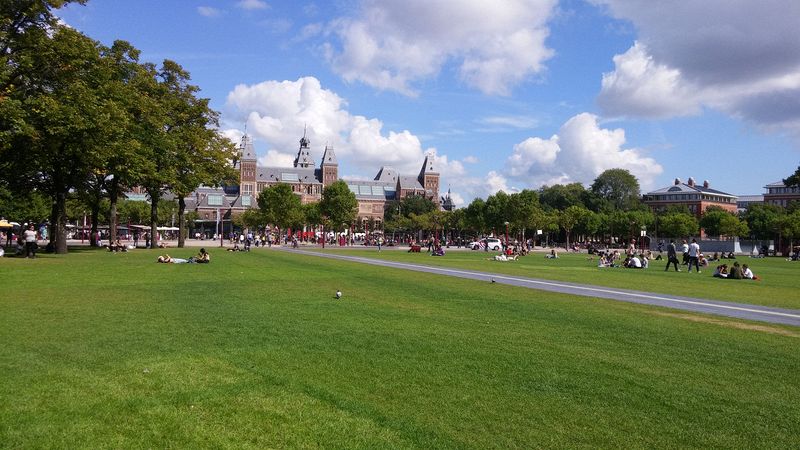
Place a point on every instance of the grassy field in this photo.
(113, 350)
(780, 284)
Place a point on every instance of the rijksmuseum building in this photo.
(307, 181)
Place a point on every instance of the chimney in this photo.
(690, 182)
(705, 184)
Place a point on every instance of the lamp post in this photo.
(506, 234)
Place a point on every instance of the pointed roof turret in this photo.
(447, 202)
(246, 150)
(428, 166)
(329, 157)
(386, 174)
(303, 158)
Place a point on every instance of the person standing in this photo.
(672, 256)
(685, 248)
(694, 255)
(30, 242)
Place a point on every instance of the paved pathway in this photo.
(719, 308)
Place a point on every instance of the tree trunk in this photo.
(52, 227)
(95, 214)
(153, 220)
(112, 213)
(60, 223)
(181, 221)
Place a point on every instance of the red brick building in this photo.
(215, 205)
(697, 198)
(779, 194)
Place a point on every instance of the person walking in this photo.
(694, 255)
(30, 242)
(685, 248)
(672, 256)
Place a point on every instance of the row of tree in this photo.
(610, 209)
(79, 119)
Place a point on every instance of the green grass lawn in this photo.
(780, 284)
(252, 351)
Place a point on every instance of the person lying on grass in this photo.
(166, 259)
(503, 257)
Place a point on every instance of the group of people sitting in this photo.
(116, 246)
(735, 272)
(202, 258)
(632, 260)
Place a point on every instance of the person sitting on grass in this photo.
(203, 257)
(748, 274)
(604, 261)
(736, 272)
(633, 262)
(703, 261)
(438, 251)
(235, 248)
(721, 271)
(552, 255)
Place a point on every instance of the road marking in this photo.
(550, 283)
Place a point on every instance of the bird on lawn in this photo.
(338, 294)
(493, 281)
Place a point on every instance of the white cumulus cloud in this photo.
(393, 44)
(578, 153)
(740, 57)
(278, 112)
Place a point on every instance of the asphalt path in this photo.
(696, 305)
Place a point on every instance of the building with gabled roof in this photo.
(308, 182)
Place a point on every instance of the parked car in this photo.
(494, 244)
(490, 243)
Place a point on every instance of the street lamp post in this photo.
(506, 234)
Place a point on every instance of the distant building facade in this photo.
(779, 194)
(744, 201)
(307, 182)
(697, 198)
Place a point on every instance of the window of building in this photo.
(246, 200)
(288, 176)
(214, 200)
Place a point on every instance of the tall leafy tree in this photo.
(677, 224)
(718, 222)
(618, 187)
(66, 118)
(523, 207)
(280, 206)
(338, 205)
(762, 219)
(497, 211)
(560, 197)
(475, 215)
(793, 180)
(570, 218)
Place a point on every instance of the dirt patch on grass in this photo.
(731, 324)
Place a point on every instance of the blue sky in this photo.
(508, 95)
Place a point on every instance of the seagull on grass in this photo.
(338, 294)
